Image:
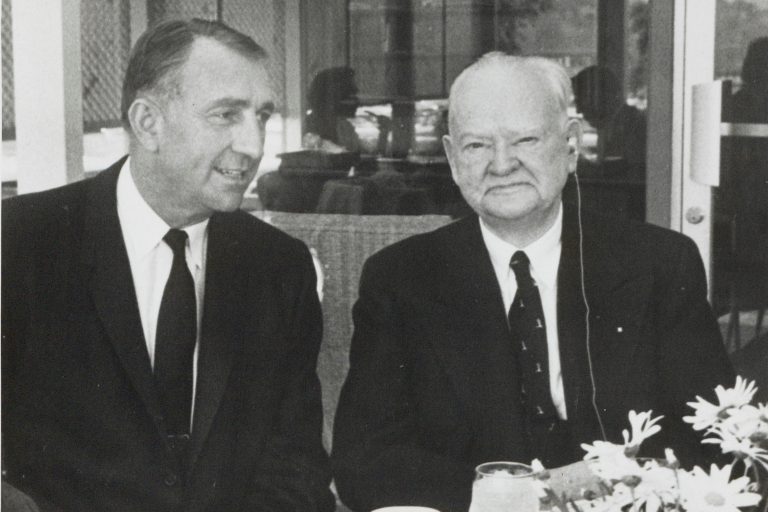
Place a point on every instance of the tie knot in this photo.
(176, 240)
(520, 265)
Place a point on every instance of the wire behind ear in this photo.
(587, 326)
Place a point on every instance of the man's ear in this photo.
(146, 120)
(573, 139)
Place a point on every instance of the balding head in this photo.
(497, 70)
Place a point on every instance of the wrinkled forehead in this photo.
(213, 68)
(499, 96)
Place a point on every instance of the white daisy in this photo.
(657, 487)
(714, 492)
(741, 447)
(672, 461)
(707, 414)
(751, 422)
(600, 449)
(537, 466)
(643, 426)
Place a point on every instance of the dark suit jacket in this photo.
(82, 425)
(432, 390)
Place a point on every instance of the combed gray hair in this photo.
(514, 65)
(164, 48)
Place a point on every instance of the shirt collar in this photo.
(544, 253)
(143, 229)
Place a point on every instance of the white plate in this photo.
(405, 508)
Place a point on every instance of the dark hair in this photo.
(596, 91)
(331, 94)
(754, 71)
(165, 47)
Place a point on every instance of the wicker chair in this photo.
(341, 244)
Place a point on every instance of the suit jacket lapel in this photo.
(610, 283)
(477, 352)
(111, 284)
(571, 327)
(223, 316)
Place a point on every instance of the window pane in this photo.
(377, 86)
(740, 202)
(9, 115)
(264, 21)
(105, 45)
(173, 9)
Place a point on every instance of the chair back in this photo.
(341, 244)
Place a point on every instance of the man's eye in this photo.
(528, 140)
(225, 116)
(474, 146)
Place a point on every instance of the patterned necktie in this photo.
(526, 323)
(175, 338)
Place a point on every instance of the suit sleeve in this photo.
(15, 310)
(379, 454)
(692, 357)
(294, 472)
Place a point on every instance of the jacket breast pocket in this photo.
(623, 344)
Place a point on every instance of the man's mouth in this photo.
(507, 187)
(231, 173)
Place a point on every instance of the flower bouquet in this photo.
(628, 483)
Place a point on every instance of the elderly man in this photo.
(525, 330)
(159, 346)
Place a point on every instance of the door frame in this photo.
(682, 54)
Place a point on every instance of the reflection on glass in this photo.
(348, 163)
(620, 126)
(740, 226)
(372, 124)
(332, 98)
(378, 89)
(612, 157)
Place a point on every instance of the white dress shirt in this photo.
(544, 255)
(151, 258)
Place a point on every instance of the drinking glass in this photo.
(504, 487)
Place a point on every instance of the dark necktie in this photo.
(175, 338)
(526, 323)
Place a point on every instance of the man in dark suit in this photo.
(525, 332)
(159, 346)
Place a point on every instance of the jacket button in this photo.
(170, 479)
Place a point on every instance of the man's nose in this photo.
(504, 159)
(248, 137)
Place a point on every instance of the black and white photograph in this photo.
(384, 255)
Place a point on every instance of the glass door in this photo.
(725, 194)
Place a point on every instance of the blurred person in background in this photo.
(620, 127)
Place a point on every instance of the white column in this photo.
(699, 68)
(48, 93)
(665, 114)
(293, 77)
(138, 16)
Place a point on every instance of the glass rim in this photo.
(487, 469)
